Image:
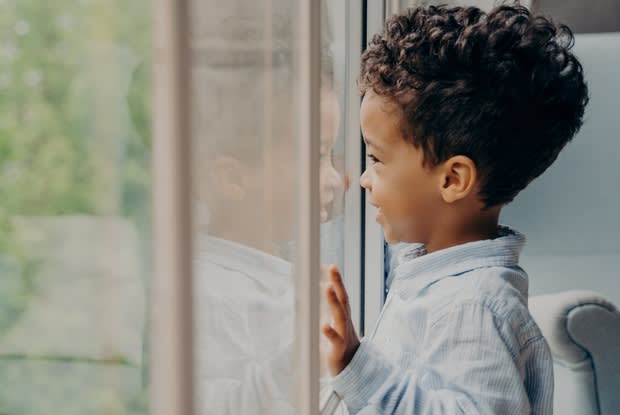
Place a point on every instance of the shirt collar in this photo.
(424, 269)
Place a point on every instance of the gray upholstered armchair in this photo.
(583, 331)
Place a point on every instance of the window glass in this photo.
(245, 180)
(245, 157)
(74, 206)
(336, 175)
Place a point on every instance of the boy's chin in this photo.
(392, 241)
(389, 235)
(392, 237)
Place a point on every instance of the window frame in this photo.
(374, 243)
(171, 376)
(354, 156)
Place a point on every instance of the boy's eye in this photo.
(373, 159)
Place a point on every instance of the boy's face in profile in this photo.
(404, 191)
(331, 182)
(256, 195)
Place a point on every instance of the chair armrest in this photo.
(582, 325)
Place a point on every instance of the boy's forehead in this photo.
(379, 119)
(377, 108)
(382, 101)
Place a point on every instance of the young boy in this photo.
(461, 110)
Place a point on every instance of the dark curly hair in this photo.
(501, 88)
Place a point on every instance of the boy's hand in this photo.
(341, 334)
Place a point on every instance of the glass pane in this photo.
(245, 154)
(74, 206)
(333, 169)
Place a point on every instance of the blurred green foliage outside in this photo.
(75, 87)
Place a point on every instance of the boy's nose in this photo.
(334, 179)
(365, 180)
(330, 179)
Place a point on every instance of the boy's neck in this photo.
(460, 230)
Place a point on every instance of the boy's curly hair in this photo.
(502, 88)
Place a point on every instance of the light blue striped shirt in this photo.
(454, 337)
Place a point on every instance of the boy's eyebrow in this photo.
(372, 144)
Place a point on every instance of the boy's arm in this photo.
(469, 366)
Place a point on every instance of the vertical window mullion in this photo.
(171, 338)
(308, 238)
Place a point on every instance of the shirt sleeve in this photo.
(244, 367)
(258, 390)
(469, 365)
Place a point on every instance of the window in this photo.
(246, 181)
(255, 211)
(199, 271)
(74, 206)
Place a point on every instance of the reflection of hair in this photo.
(229, 105)
(243, 75)
(503, 89)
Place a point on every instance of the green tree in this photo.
(75, 88)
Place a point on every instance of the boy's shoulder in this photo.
(500, 291)
(498, 288)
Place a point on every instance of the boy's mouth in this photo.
(378, 215)
(324, 215)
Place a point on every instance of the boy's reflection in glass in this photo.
(244, 285)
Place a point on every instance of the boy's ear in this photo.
(228, 179)
(458, 178)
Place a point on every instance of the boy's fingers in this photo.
(341, 292)
(332, 335)
(336, 309)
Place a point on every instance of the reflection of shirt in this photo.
(245, 330)
(454, 337)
